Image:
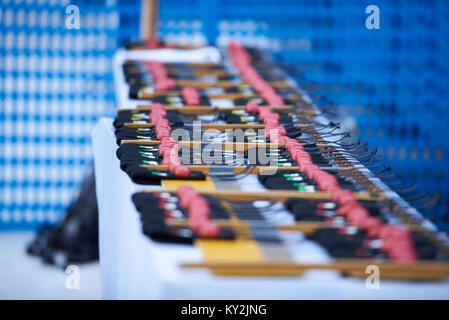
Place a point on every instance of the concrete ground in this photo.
(26, 277)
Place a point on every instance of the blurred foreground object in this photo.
(76, 238)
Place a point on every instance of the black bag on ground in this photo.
(75, 240)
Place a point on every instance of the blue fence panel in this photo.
(55, 83)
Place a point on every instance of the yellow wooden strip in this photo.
(200, 185)
(239, 250)
(350, 267)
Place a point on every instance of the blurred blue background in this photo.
(55, 82)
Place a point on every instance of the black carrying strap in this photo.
(146, 176)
